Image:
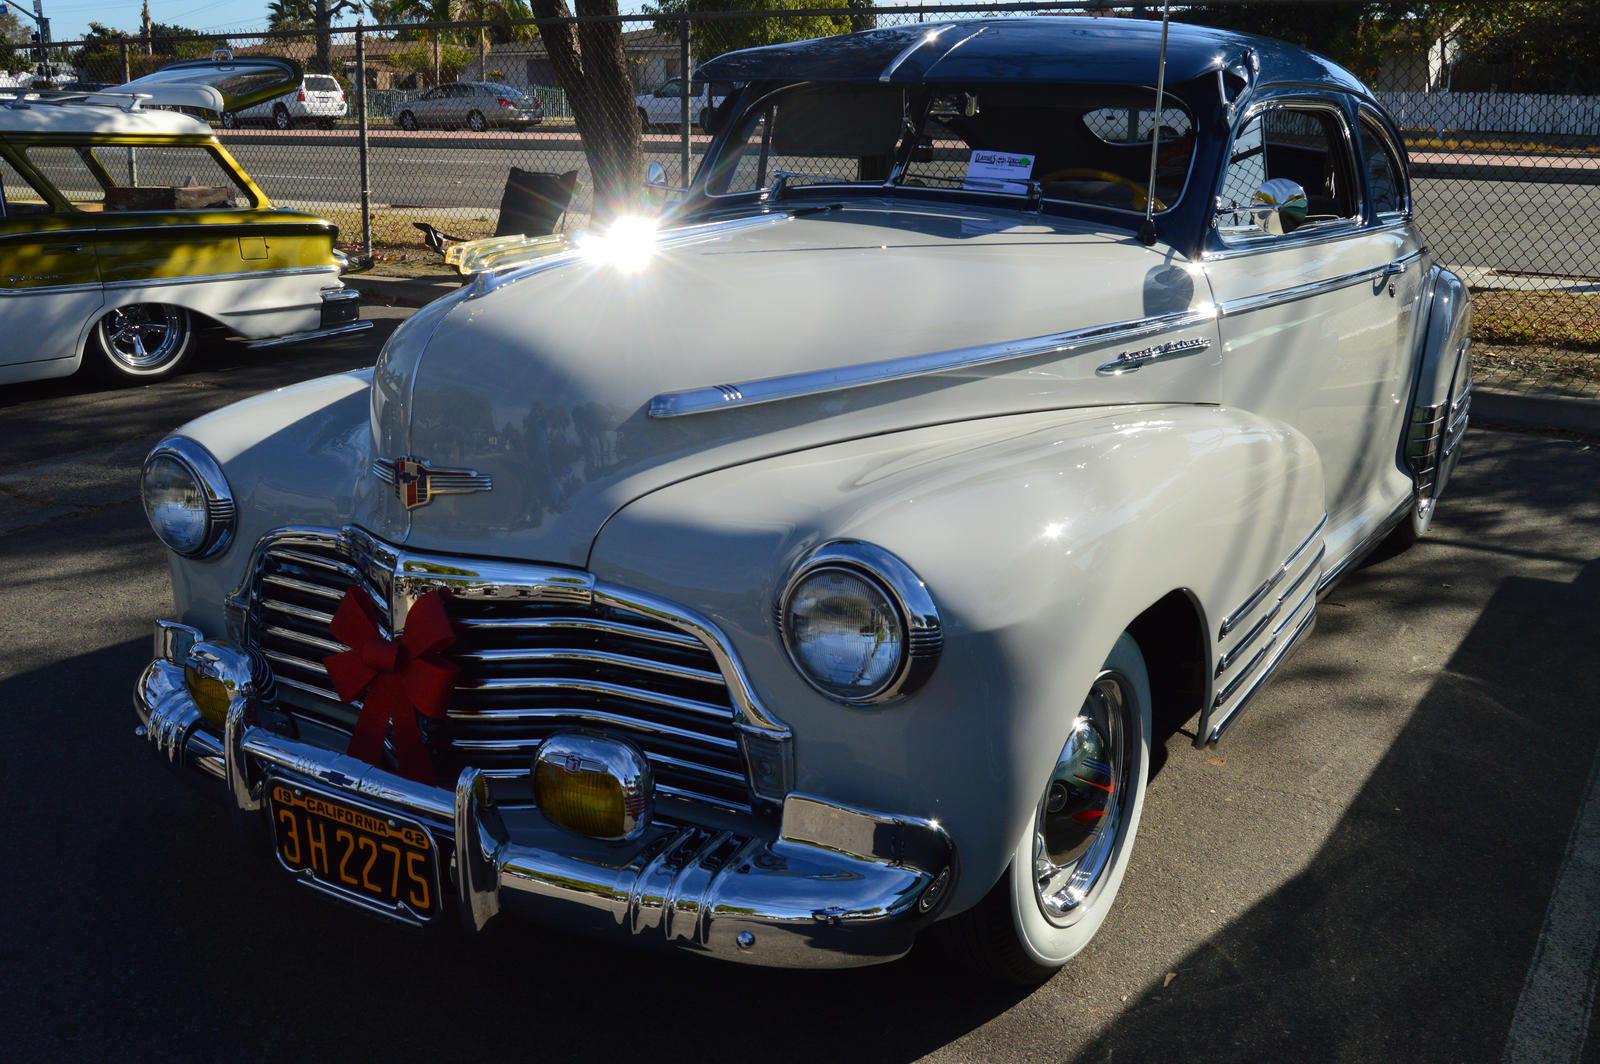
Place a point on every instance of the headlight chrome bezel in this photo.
(220, 510)
(922, 631)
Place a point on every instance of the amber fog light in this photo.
(211, 696)
(593, 785)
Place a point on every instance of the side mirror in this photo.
(655, 175)
(1279, 206)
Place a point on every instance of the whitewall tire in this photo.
(1068, 863)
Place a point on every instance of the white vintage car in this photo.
(804, 572)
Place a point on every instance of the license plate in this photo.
(386, 863)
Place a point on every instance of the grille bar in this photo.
(591, 657)
(531, 667)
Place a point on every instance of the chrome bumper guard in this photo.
(837, 887)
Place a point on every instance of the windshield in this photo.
(505, 90)
(1074, 143)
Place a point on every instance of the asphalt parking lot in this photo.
(1394, 856)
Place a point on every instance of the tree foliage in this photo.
(100, 55)
(712, 37)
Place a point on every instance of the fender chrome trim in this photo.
(821, 382)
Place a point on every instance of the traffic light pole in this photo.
(41, 36)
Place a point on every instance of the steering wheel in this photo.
(1082, 173)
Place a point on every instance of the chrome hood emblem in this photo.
(415, 482)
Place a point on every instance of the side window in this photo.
(156, 177)
(1306, 145)
(18, 196)
(1385, 177)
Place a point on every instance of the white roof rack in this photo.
(23, 97)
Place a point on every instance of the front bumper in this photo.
(835, 887)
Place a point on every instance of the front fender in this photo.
(1040, 538)
(294, 456)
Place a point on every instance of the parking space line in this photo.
(1552, 1018)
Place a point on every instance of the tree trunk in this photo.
(324, 19)
(861, 15)
(589, 61)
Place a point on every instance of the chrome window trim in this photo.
(1315, 288)
(221, 510)
(919, 617)
(1373, 118)
(1333, 229)
(821, 382)
(1321, 236)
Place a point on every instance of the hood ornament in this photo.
(415, 482)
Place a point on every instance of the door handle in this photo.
(64, 249)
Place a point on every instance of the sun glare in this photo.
(627, 245)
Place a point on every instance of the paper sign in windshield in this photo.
(999, 171)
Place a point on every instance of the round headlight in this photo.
(187, 499)
(858, 624)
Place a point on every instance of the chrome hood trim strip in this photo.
(800, 385)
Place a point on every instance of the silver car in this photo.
(476, 105)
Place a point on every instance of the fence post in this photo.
(683, 99)
(127, 74)
(361, 141)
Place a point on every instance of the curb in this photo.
(404, 291)
(1537, 410)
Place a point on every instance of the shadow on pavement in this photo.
(1409, 934)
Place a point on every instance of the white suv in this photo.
(662, 108)
(319, 99)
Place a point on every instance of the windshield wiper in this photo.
(781, 179)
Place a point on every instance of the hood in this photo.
(543, 377)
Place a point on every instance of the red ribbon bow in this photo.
(397, 679)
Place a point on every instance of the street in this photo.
(1362, 871)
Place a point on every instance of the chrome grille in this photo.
(528, 670)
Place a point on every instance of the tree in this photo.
(712, 37)
(12, 33)
(291, 15)
(592, 68)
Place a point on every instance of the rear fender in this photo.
(1443, 392)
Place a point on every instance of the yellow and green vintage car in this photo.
(124, 228)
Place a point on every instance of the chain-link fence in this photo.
(1500, 105)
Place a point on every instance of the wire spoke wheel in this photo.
(144, 339)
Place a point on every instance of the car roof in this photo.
(1055, 49)
(80, 116)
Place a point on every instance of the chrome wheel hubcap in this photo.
(143, 336)
(1082, 817)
